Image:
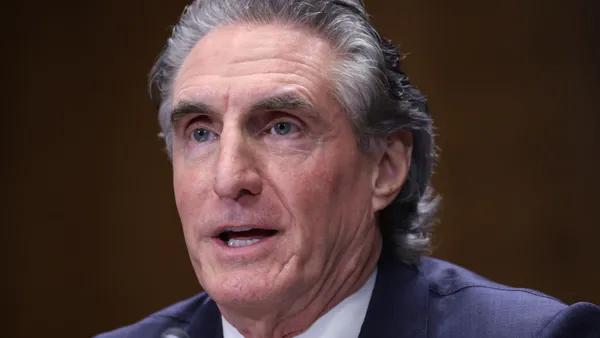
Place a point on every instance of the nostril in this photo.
(244, 192)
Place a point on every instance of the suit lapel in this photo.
(206, 322)
(398, 306)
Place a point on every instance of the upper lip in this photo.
(240, 227)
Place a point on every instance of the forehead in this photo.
(245, 61)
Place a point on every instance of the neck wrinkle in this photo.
(273, 326)
(343, 286)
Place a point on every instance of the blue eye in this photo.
(202, 135)
(284, 128)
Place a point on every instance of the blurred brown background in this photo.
(91, 235)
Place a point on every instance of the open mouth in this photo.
(239, 237)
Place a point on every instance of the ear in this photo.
(392, 169)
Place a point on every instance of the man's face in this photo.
(274, 196)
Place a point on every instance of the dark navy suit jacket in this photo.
(435, 299)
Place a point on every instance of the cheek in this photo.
(326, 196)
(189, 189)
(190, 201)
(181, 188)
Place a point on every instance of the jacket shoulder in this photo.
(578, 320)
(465, 304)
(177, 315)
(445, 278)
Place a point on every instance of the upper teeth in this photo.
(239, 229)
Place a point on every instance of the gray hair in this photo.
(367, 82)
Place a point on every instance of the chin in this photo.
(244, 288)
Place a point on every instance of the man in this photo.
(301, 160)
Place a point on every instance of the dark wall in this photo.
(91, 235)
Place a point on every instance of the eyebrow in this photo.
(185, 108)
(287, 101)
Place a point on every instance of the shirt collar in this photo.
(343, 320)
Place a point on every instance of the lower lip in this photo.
(253, 249)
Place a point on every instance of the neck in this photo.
(289, 319)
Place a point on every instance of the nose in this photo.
(236, 173)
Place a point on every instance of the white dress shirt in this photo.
(343, 320)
